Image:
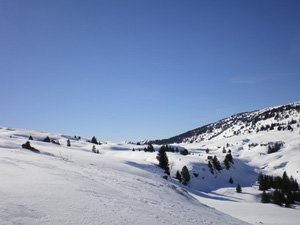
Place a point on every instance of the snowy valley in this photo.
(70, 180)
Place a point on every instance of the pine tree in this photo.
(94, 140)
(210, 167)
(230, 180)
(185, 175)
(228, 161)
(47, 139)
(30, 138)
(95, 150)
(277, 197)
(163, 161)
(265, 198)
(216, 163)
(285, 187)
(238, 188)
(178, 176)
(149, 148)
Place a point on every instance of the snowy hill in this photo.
(275, 118)
(123, 185)
(73, 185)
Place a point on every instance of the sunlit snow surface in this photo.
(73, 185)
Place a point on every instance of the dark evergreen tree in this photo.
(68, 143)
(95, 150)
(263, 182)
(94, 140)
(178, 176)
(289, 199)
(216, 163)
(230, 180)
(163, 160)
(238, 188)
(210, 167)
(286, 184)
(265, 198)
(149, 148)
(47, 139)
(277, 197)
(28, 146)
(30, 138)
(185, 175)
(184, 152)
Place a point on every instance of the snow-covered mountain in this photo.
(73, 185)
(61, 184)
(275, 118)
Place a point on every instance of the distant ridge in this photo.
(278, 118)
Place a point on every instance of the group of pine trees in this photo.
(163, 162)
(279, 190)
(274, 147)
(47, 139)
(228, 161)
(215, 165)
(183, 176)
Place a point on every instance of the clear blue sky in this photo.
(131, 70)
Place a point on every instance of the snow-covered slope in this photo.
(274, 118)
(73, 185)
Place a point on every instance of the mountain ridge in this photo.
(252, 120)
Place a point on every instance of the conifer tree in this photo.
(163, 161)
(68, 143)
(94, 140)
(238, 188)
(228, 161)
(185, 175)
(265, 198)
(216, 163)
(178, 176)
(149, 148)
(277, 197)
(47, 139)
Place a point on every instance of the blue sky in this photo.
(132, 70)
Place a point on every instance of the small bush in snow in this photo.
(184, 152)
(95, 150)
(55, 142)
(29, 147)
(274, 147)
